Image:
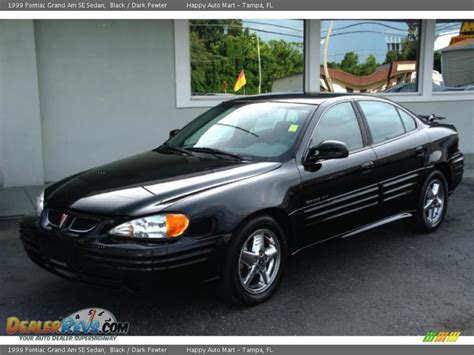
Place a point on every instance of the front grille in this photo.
(54, 217)
(83, 225)
(72, 222)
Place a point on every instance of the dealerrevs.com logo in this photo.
(90, 321)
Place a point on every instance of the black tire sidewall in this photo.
(231, 285)
(420, 221)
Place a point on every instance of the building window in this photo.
(393, 57)
(453, 56)
(369, 56)
(245, 57)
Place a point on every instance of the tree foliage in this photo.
(350, 64)
(409, 50)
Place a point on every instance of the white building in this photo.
(457, 61)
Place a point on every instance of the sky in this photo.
(371, 41)
(364, 37)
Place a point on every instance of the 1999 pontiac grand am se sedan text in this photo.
(242, 187)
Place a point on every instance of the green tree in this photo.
(391, 57)
(201, 63)
(350, 63)
(410, 43)
(369, 67)
(215, 30)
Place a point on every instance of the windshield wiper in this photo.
(176, 148)
(215, 152)
(237, 127)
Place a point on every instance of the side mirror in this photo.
(325, 151)
(173, 132)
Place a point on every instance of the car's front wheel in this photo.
(256, 259)
(432, 203)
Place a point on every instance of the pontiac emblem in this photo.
(63, 219)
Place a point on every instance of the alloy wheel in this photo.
(259, 261)
(434, 202)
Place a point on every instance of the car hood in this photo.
(136, 184)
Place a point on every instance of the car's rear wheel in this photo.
(432, 203)
(256, 259)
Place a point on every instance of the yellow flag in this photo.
(240, 81)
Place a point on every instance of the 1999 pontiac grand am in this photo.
(242, 187)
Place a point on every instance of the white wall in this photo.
(20, 140)
(107, 90)
(459, 113)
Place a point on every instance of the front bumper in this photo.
(103, 261)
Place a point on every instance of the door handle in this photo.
(368, 166)
(420, 151)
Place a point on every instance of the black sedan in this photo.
(241, 188)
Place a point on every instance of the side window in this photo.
(339, 123)
(408, 121)
(383, 120)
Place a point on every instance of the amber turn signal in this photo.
(176, 224)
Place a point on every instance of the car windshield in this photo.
(254, 131)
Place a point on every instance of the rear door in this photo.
(337, 195)
(399, 147)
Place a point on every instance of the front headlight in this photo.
(159, 226)
(39, 203)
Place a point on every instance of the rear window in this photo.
(408, 121)
(383, 120)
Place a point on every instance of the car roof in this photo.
(303, 98)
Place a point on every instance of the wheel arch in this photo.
(445, 169)
(281, 217)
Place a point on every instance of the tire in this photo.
(424, 221)
(252, 270)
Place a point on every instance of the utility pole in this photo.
(325, 56)
(259, 67)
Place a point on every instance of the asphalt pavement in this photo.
(388, 281)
